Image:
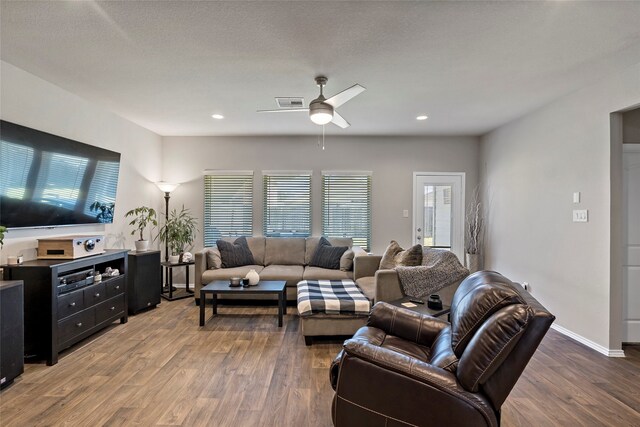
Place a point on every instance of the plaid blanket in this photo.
(331, 297)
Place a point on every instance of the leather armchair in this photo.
(405, 368)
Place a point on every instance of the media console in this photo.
(63, 304)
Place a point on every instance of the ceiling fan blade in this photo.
(338, 120)
(284, 110)
(342, 97)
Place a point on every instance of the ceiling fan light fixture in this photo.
(320, 113)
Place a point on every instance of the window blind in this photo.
(228, 206)
(346, 206)
(103, 185)
(287, 204)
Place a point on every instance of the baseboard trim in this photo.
(587, 342)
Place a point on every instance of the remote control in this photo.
(416, 301)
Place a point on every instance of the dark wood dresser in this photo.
(57, 316)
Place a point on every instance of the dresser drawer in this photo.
(70, 303)
(75, 325)
(114, 286)
(94, 294)
(109, 308)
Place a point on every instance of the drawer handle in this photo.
(73, 304)
(148, 304)
(97, 295)
(112, 308)
(79, 324)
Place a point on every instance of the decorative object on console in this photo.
(394, 256)
(143, 217)
(253, 277)
(474, 231)
(70, 247)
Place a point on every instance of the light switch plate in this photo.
(576, 197)
(580, 215)
(405, 213)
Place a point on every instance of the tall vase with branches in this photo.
(474, 231)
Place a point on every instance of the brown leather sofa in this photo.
(405, 368)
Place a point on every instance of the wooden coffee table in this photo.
(276, 287)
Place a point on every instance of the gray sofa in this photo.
(277, 258)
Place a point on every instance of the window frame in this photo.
(305, 208)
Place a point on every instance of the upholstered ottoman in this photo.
(331, 307)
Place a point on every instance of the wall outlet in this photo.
(580, 215)
(576, 197)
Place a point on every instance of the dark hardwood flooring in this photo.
(242, 370)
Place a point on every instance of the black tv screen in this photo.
(47, 180)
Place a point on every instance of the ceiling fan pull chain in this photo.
(323, 137)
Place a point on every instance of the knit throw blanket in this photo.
(439, 269)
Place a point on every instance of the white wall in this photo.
(392, 160)
(631, 126)
(529, 170)
(30, 101)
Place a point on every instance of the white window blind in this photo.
(287, 204)
(228, 206)
(59, 179)
(15, 164)
(346, 206)
(103, 185)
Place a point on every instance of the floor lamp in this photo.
(167, 188)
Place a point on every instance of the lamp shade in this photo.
(167, 187)
(320, 112)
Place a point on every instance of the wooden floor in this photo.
(242, 370)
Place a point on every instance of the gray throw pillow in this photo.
(235, 254)
(327, 256)
(394, 256)
(346, 260)
(214, 261)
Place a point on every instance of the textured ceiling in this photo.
(470, 66)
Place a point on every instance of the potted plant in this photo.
(474, 233)
(178, 233)
(142, 218)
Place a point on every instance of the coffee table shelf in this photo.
(219, 287)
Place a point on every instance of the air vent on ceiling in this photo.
(290, 102)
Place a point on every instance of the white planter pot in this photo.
(142, 245)
(173, 259)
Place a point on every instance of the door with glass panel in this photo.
(438, 205)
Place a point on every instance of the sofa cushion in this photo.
(394, 256)
(291, 273)
(227, 273)
(346, 260)
(256, 245)
(312, 242)
(318, 273)
(214, 260)
(235, 254)
(284, 251)
(368, 287)
(327, 255)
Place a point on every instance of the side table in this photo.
(421, 308)
(166, 290)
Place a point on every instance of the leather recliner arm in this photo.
(375, 382)
(410, 325)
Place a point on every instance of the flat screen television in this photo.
(47, 180)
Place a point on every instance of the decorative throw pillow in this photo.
(214, 261)
(346, 260)
(235, 254)
(327, 256)
(394, 256)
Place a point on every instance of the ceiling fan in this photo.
(322, 110)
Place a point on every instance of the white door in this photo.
(631, 236)
(438, 211)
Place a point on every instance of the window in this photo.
(228, 205)
(287, 204)
(103, 185)
(346, 206)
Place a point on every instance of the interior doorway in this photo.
(438, 210)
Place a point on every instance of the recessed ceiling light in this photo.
(217, 116)
(422, 117)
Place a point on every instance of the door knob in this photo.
(419, 230)
(418, 238)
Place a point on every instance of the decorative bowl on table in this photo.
(235, 281)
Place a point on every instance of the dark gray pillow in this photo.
(235, 254)
(327, 256)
